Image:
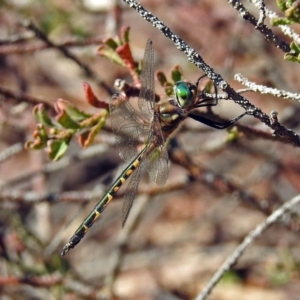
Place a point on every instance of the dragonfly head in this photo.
(185, 93)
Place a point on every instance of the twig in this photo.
(220, 183)
(254, 234)
(37, 281)
(23, 49)
(24, 98)
(266, 90)
(287, 30)
(267, 32)
(16, 38)
(262, 12)
(87, 70)
(11, 151)
(197, 60)
(122, 240)
(62, 163)
(214, 181)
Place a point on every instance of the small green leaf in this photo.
(292, 58)
(233, 135)
(88, 137)
(110, 43)
(296, 47)
(41, 132)
(36, 145)
(125, 34)
(74, 113)
(282, 4)
(110, 54)
(169, 89)
(66, 121)
(176, 74)
(56, 149)
(40, 114)
(281, 21)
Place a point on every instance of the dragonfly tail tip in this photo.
(65, 249)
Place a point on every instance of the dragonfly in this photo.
(141, 136)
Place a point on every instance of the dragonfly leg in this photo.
(214, 124)
(202, 103)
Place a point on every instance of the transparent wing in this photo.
(157, 165)
(157, 159)
(130, 192)
(147, 97)
(130, 130)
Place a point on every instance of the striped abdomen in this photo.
(100, 206)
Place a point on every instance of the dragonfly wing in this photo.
(129, 129)
(147, 93)
(157, 165)
(131, 192)
(157, 159)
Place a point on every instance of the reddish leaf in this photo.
(91, 97)
(83, 139)
(124, 34)
(126, 55)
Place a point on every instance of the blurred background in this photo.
(176, 236)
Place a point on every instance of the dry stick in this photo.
(252, 86)
(197, 60)
(22, 49)
(267, 32)
(219, 182)
(81, 289)
(45, 281)
(262, 12)
(10, 94)
(122, 240)
(16, 38)
(51, 167)
(215, 181)
(287, 30)
(257, 232)
(87, 70)
(10, 151)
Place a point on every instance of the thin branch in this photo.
(10, 151)
(45, 281)
(267, 32)
(287, 30)
(266, 90)
(254, 234)
(34, 47)
(262, 12)
(86, 69)
(20, 97)
(197, 60)
(51, 167)
(123, 239)
(16, 38)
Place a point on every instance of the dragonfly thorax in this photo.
(170, 115)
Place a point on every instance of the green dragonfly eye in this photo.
(184, 93)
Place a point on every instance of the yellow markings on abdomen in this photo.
(136, 163)
(85, 228)
(129, 172)
(97, 215)
(100, 206)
